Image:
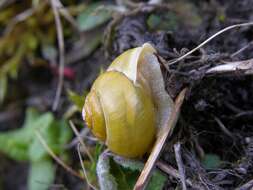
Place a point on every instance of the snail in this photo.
(128, 105)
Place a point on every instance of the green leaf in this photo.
(211, 161)
(128, 163)
(36, 150)
(22, 144)
(94, 15)
(153, 21)
(10, 67)
(86, 46)
(41, 175)
(185, 14)
(90, 166)
(56, 134)
(30, 40)
(65, 133)
(3, 87)
(15, 150)
(31, 115)
(77, 99)
(121, 173)
(125, 177)
(168, 21)
(15, 143)
(157, 181)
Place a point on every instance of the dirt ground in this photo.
(217, 115)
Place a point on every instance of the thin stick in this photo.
(172, 172)
(244, 66)
(17, 19)
(83, 168)
(151, 2)
(146, 172)
(57, 159)
(5, 3)
(177, 149)
(60, 40)
(65, 13)
(81, 140)
(242, 49)
(224, 128)
(209, 39)
(83, 135)
(246, 186)
(168, 170)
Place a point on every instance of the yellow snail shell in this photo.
(128, 104)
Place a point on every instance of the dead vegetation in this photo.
(212, 144)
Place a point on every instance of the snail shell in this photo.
(128, 104)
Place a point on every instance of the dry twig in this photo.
(246, 186)
(167, 131)
(81, 140)
(54, 156)
(61, 53)
(172, 172)
(84, 135)
(83, 168)
(209, 39)
(17, 19)
(223, 128)
(5, 3)
(242, 49)
(64, 12)
(177, 149)
(155, 2)
(245, 66)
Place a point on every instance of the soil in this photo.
(217, 115)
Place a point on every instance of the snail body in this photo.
(121, 108)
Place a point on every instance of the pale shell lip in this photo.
(83, 113)
(131, 70)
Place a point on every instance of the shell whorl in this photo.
(121, 114)
(128, 103)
